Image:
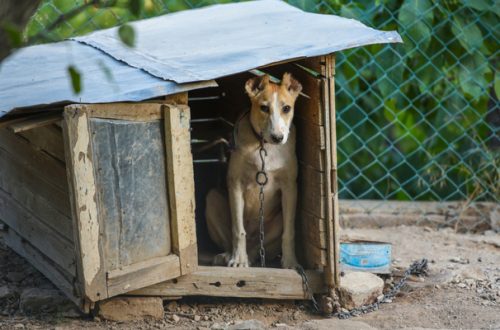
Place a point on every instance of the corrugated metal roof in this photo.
(176, 52)
(38, 75)
(221, 40)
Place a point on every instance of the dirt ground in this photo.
(462, 291)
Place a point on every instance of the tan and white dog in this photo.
(234, 225)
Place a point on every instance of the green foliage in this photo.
(75, 78)
(414, 120)
(127, 35)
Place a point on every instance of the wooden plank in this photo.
(180, 178)
(270, 283)
(13, 182)
(315, 257)
(312, 183)
(179, 98)
(26, 177)
(84, 202)
(143, 274)
(124, 111)
(314, 229)
(334, 243)
(35, 122)
(332, 252)
(28, 226)
(60, 278)
(310, 144)
(47, 138)
(48, 168)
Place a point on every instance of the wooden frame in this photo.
(321, 227)
(74, 251)
(97, 278)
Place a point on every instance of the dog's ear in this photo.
(290, 84)
(256, 85)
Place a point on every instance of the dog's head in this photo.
(272, 106)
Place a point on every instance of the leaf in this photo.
(135, 7)
(415, 17)
(306, 5)
(480, 5)
(468, 34)
(76, 79)
(473, 75)
(14, 35)
(127, 35)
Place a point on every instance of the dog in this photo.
(233, 222)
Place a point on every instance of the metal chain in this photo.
(416, 268)
(307, 288)
(261, 179)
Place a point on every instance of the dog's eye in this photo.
(264, 108)
(287, 108)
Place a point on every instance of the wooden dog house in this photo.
(101, 192)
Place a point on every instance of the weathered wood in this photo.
(48, 168)
(268, 283)
(13, 182)
(132, 189)
(124, 111)
(332, 224)
(47, 138)
(314, 256)
(45, 239)
(35, 122)
(312, 186)
(310, 144)
(179, 98)
(61, 279)
(26, 177)
(180, 183)
(84, 202)
(143, 274)
(314, 229)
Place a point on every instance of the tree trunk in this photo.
(16, 13)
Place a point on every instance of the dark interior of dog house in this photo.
(214, 111)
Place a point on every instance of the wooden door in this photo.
(130, 174)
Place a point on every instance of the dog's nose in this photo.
(277, 138)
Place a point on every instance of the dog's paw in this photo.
(289, 262)
(238, 259)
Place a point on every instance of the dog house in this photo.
(104, 191)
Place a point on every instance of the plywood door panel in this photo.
(120, 157)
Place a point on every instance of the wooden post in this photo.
(84, 202)
(181, 185)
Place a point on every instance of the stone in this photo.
(131, 308)
(333, 323)
(175, 318)
(459, 260)
(172, 306)
(473, 273)
(197, 318)
(359, 288)
(35, 300)
(247, 325)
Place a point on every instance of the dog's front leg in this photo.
(239, 257)
(289, 204)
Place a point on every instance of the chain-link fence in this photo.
(417, 121)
